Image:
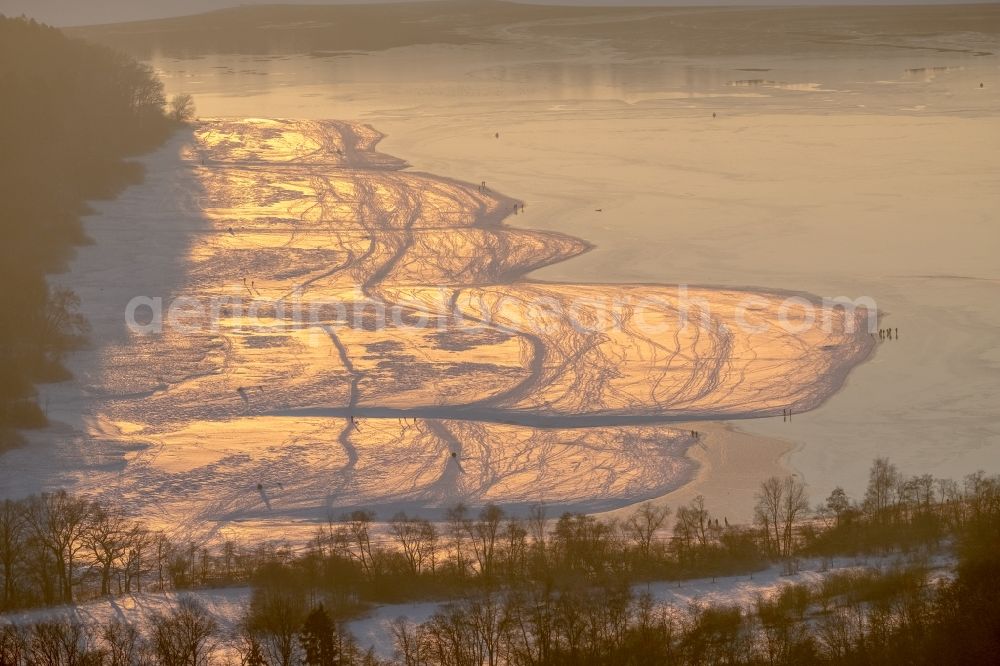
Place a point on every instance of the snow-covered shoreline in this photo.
(373, 629)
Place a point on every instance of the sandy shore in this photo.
(731, 466)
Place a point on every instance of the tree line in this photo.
(901, 615)
(865, 617)
(538, 591)
(58, 548)
(72, 113)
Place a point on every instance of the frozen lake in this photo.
(872, 174)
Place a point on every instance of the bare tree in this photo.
(643, 524)
(59, 522)
(796, 505)
(354, 536)
(60, 644)
(692, 525)
(451, 639)
(107, 539)
(418, 539)
(767, 512)
(532, 624)
(488, 620)
(59, 325)
(138, 542)
(141, 89)
(924, 492)
(950, 497)
(181, 107)
(123, 642)
(536, 525)
(408, 641)
(982, 493)
(483, 533)
(780, 503)
(184, 636)
(883, 480)
(13, 645)
(515, 549)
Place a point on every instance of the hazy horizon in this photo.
(69, 13)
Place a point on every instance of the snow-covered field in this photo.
(288, 325)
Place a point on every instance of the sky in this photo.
(87, 12)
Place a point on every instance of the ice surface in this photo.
(340, 332)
